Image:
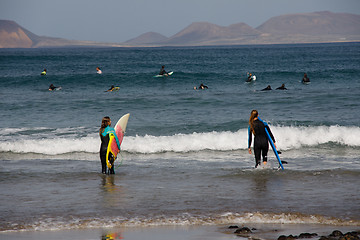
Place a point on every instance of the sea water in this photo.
(184, 158)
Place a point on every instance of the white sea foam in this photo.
(287, 137)
(52, 146)
(295, 137)
(184, 219)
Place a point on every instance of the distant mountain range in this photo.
(12, 35)
(317, 27)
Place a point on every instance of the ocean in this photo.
(184, 158)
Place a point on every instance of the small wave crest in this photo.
(287, 138)
(184, 219)
(296, 137)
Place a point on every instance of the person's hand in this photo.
(249, 150)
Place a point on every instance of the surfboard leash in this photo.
(121, 161)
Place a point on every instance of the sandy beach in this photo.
(259, 231)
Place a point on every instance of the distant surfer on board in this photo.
(305, 79)
(162, 71)
(250, 77)
(43, 73)
(112, 88)
(261, 145)
(267, 88)
(282, 87)
(52, 87)
(201, 87)
(104, 132)
(98, 70)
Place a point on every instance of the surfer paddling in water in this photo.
(261, 145)
(163, 72)
(105, 132)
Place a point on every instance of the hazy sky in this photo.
(121, 20)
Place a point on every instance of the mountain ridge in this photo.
(203, 31)
(312, 23)
(148, 38)
(12, 35)
(315, 27)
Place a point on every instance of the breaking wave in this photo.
(185, 219)
(45, 142)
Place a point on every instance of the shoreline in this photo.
(209, 232)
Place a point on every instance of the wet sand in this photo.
(259, 231)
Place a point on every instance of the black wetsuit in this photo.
(202, 86)
(267, 88)
(261, 144)
(250, 78)
(103, 150)
(281, 88)
(305, 79)
(162, 72)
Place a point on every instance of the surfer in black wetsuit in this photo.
(162, 71)
(201, 87)
(267, 88)
(305, 79)
(111, 88)
(282, 87)
(104, 132)
(250, 77)
(261, 145)
(52, 87)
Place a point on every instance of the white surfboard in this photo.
(165, 75)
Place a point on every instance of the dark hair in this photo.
(253, 115)
(104, 123)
